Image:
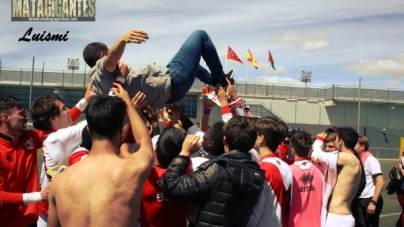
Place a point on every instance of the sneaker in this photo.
(229, 76)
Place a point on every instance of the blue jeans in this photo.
(184, 66)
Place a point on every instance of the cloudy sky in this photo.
(338, 41)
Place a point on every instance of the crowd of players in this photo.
(117, 168)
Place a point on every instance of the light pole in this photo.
(306, 77)
(73, 64)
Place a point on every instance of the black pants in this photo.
(360, 212)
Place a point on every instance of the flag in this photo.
(271, 59)
(232, 55)
(250, 58)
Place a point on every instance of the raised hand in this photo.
(190, 145)
(139, 100)
(135, 36)
(222, 96)
(231, 90)
(150, 115)
(174, 113)
(206, 102)
(89, 95)
(322, 135)
(120, 92)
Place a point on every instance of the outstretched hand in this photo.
(322, 135)
(120, 92)
(206, 102)
(150, 116)
(135, 36)
(190, 145)
(222, 96)
(231, 90)
(89, 95)
(139, 100)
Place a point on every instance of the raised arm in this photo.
(76, 110)
(142, 137)
(177, 186)
(115, 52)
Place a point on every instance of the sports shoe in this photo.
(229, 76)
(223, 82)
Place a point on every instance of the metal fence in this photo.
(80, 79)
(385, 153)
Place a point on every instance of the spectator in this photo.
(400, 193)
(368, 207)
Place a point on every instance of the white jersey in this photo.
(57, 148)
(372, 169)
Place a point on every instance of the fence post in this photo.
(333, 92)
(388, 94)
(63, 78)
(20, 76)
(290, 92)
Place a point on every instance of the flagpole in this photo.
(227, 52)
(268, 62)
(246, 63)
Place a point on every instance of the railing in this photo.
(385, 153)
(80, 79)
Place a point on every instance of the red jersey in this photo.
(18, 175)
(155, 210)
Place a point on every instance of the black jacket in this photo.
(227, 188)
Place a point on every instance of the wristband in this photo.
(206, 110)
(33, 197)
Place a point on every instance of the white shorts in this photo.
(339, 220)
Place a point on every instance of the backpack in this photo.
(395, 180)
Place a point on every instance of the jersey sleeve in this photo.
(77, 109)
(8, 198)
(64, 140)
(318, 155)
(373, 165)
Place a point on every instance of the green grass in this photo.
(391, 207)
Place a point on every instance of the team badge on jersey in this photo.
(30, 144)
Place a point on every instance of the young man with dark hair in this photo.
(213, 139)
(19, 188)
(155, 209)
(160, 84)
(87, 195)
(342, 181)
(50, 115)
(307, 190)
(369, 205)
(274, 204)
(226, 188)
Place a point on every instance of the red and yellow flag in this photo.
(251, 58)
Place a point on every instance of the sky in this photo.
(338, 41)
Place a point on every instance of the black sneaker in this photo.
(229, 76)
